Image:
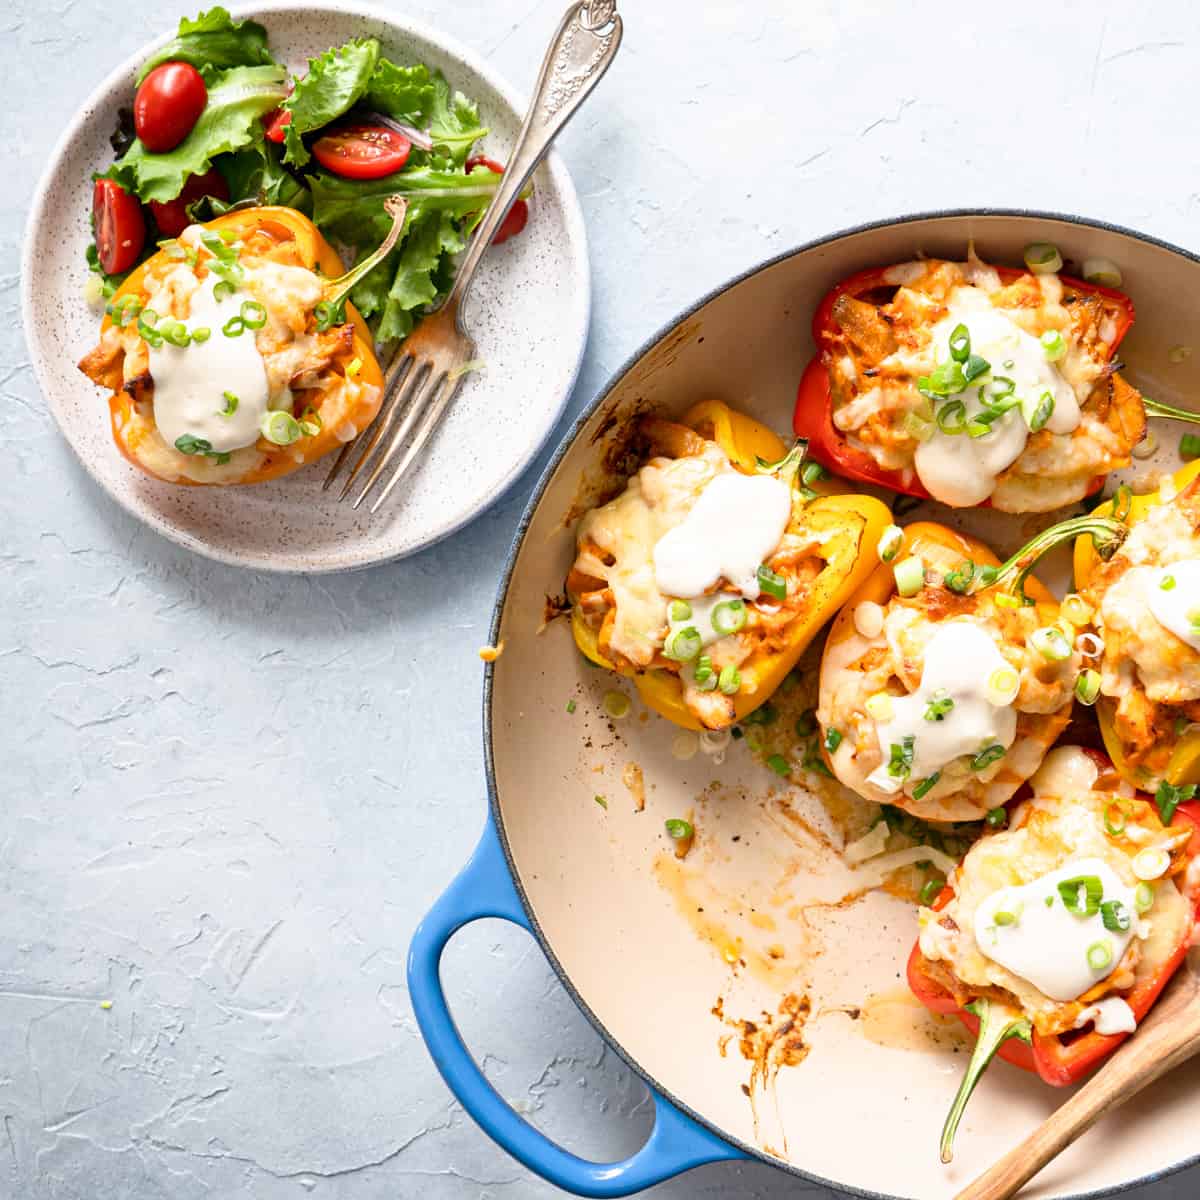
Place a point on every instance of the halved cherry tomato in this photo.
(277, 121)
(168, 105)
(362, 151)
(518, 215)
(118, 225)
(171, 216)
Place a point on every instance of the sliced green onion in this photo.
(1143, 898)
(174, 332)
(779, 765)
(1116, 817)
(123, 310)
(1082, 894)
(997, 817)
(679, 610)
(925, 785)
(1151, 863)
(890, 541)
(234, 327)
(146, 321)
(1100, 955)
(281, 428)
(880, 707)
(959, 580)
(987, 756)
(900, 757)
(930, 890)
(231, 404)
(704, 669)
(1043, 258)
(1178, 354)
(952, 417)
(684, 644)
(1115, 916)
(729, 616)
(765, 714)
(1036, 415)
(1054, 345)
(253, 314)
(1167, 583)
(977, 428)
(1189, 445)
(833, 739)
(1076, 609)
(974, 367)
(999, 387)
(187, 444)
(1103, 271)
(1168, 797)
(1051, 643)
(1087, 687)
(729, 680)
(910, 576)
(201, 334)
(960, 343)
(938, 708)
(223, 289)
(571, 706)
(812, 472)
(917, 427)
(615, 704)
(678, 830)
(1003, 684)
(1005, 917)
(774, 585)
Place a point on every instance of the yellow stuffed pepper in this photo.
(1146, 612)
(232, 355)
(711, 573)
(948, 676)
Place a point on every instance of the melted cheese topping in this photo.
(730, 531)
(1030, 930)
(959, 659)
(627, 529)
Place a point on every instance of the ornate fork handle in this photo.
(579, 53)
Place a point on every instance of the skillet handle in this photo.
(484, 888)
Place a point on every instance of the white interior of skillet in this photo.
(623, 922)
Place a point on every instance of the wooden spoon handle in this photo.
(1171, 1035)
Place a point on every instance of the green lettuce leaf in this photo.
(236, 100)
(258, 173)
(214, 40)
(405, 93)
(453, 121)
(334, 82)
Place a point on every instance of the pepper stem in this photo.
(1107, 535)
(789, 468)
(1156, 408)
(996, 1025)
(332, 308)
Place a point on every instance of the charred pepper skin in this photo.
(853, 524)
(282, 224)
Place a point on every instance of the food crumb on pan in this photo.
(489, 654)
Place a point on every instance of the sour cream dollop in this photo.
(731, 530)
(1031, 931)
(1176, 606)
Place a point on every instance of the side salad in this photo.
(216, 122)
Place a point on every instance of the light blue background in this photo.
(227, 798)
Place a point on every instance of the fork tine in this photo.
(424, 398)
(391, 381)
(407, 386)
(429, 421)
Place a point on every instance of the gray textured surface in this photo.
(228, 798)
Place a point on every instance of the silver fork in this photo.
(422, 378)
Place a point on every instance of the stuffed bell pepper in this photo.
(1053, 938)
(948, 676)
(1145, 604)
(973, 384)
(712, 571)
(232, 355)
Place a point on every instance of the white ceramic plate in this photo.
(528, 311)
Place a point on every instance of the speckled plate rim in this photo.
(495, 810)
(572, 215)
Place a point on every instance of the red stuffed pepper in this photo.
(972, 384)
(1054, 937)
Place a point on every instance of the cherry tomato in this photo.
(362, 151)
(277, 121)
(171, 216)
(518, 215)
(168, 105)
(118, 225)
